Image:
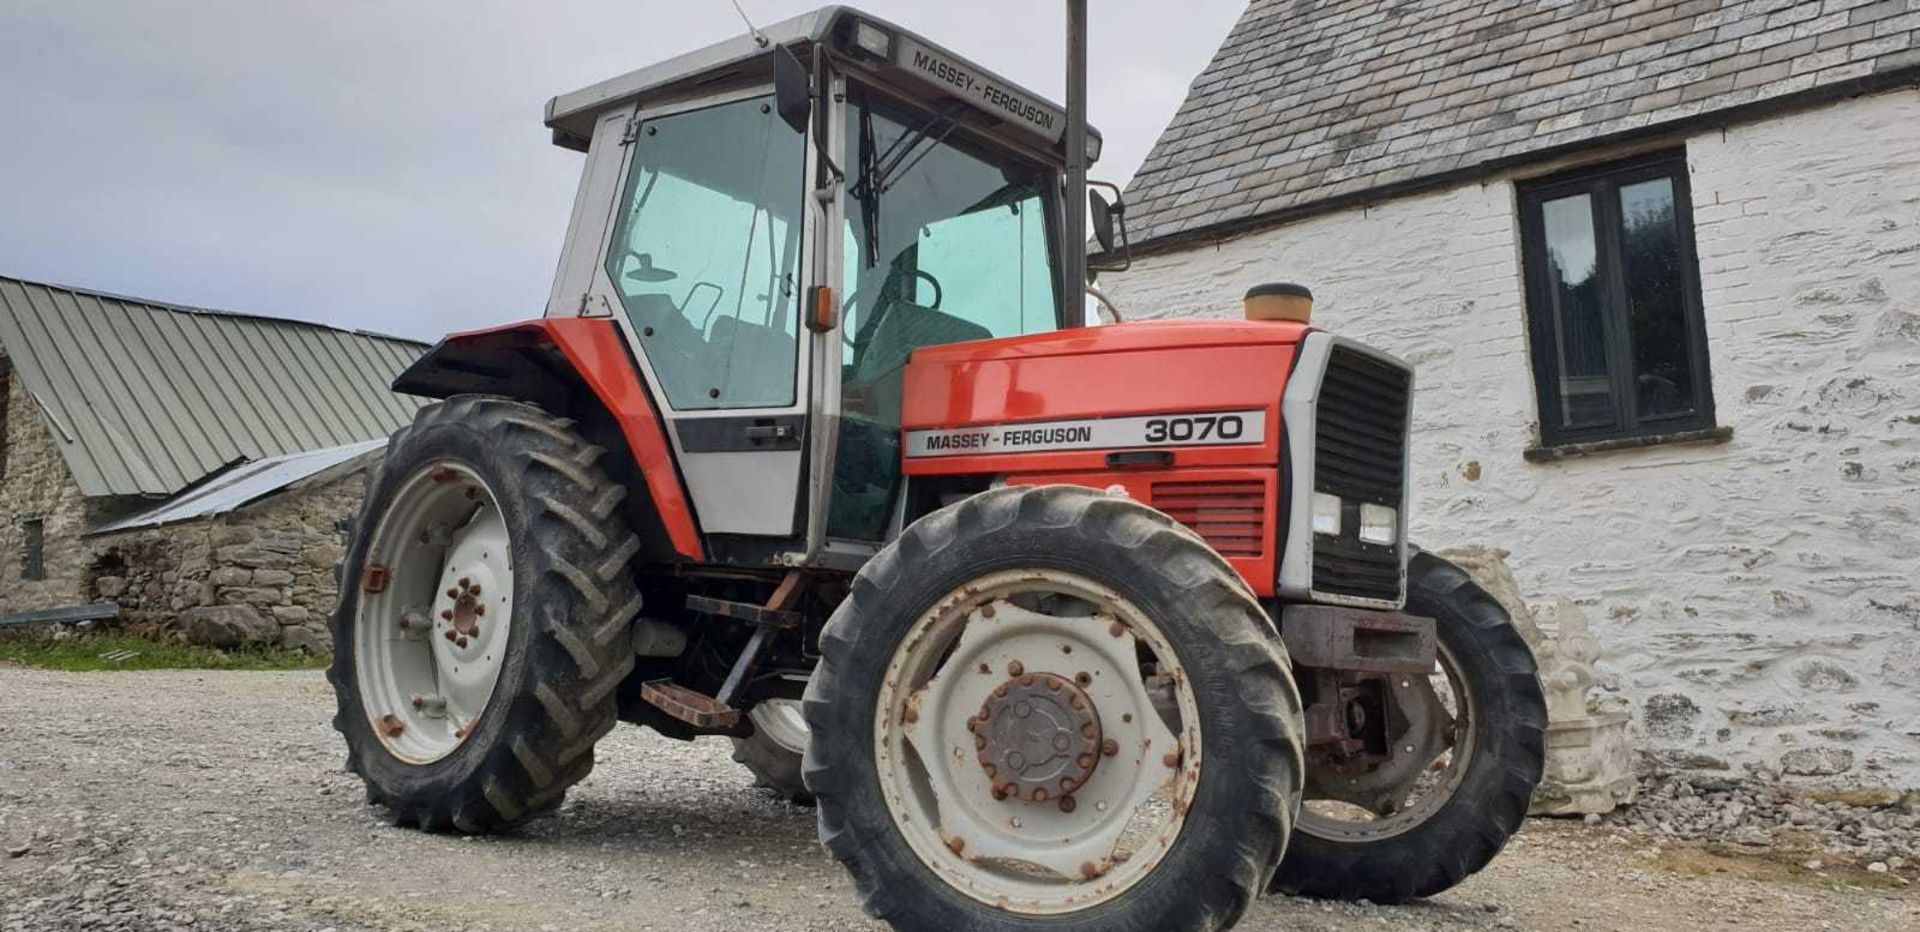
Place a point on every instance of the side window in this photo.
(33, 554)
(706, 254)
(1613, 301)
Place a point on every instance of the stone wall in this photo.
(261, 575)
(1757, 599)
(35, 485)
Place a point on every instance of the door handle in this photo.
(770, 432)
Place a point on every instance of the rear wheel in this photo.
(483, 607)
(1463, 772)
(1036, 708)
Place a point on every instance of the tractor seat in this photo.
(905, 328)
(752, 364)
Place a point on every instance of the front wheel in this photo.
(1462, 772)
(1039, 709)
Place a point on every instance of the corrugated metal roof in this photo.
(147, 398)
(247, 482)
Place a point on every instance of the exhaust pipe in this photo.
(1074, 255)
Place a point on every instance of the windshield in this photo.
(946, 240)
(707, 251)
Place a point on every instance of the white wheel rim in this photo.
(782, 722)
(1036, 855)
(435, 615)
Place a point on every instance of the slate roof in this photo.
(146, 398)
(1316, 101)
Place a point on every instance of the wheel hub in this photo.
(1038, 737)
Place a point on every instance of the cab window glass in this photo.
(706, 254)
(945, 241)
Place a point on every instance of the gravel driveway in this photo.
(215, 800)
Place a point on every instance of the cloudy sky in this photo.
(382, 164)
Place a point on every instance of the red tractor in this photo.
(1059, 626)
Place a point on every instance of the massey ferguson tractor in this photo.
(1059, 626)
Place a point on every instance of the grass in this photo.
(82, 654)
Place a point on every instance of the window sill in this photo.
(1547, 454)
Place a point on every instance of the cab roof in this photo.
(933, 72)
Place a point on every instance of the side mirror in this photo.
(792, 89)
(1109, 228)
(1102, 220)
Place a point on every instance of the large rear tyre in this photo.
(1454, 810)
(1044, 708)
(483, 609)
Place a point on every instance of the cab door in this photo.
(704, 267)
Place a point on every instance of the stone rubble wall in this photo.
(36, 484)
(262, 575)
(1757, 599)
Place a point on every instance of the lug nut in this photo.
(462, 642)
(1067, 804)
(1016, 668)
(1083, 678)
(479, 609)
(1110, 747)
(446, 615)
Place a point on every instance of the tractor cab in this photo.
(775, 224)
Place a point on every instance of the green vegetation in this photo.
(84, 654)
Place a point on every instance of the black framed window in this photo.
(1613, 302)
(33, 542)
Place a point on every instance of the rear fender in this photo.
(580, 367)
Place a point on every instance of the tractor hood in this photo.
(1067, 399)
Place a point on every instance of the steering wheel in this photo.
(866, 330)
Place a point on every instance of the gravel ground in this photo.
(214, 801)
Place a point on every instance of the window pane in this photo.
(1577, 300)
(944, 242)
(707, 252)
(1656, 303)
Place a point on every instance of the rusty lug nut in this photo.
(1068, 784)
(392, 726)
(1172, 760)
(1027, 680)
(1083, 678)
(451, 634)
(453, 593)
(986, 611)
(956, 844)
(1086, 763)
(1016, 668)
(462, 642)
(913, 715)
(979, 742)
(446, 615)
(1075, 701)
(1110, 747)
(1040, 794)
(999, 793)
(466, 583)
(1053, 685)
(987, 765)
(479, 609)
(1068, 804)
(1116, 629)
(1000, 692)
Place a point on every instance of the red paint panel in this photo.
(1095, 372)
(599, 354)
(1235, 510)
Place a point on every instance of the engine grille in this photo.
(1229, 516)
(1360, 439)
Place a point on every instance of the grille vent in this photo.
(1360, 455)
(1229, 516)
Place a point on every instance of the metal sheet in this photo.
(147, 398)
(246, 482)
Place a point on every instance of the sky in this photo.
(382, 165)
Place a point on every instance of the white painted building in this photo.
(1658, 267)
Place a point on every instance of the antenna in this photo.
(759, 38)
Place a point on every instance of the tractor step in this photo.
(701, 711)
(748, 612)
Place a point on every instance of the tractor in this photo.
(1059, 624)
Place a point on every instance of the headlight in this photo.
(1379, 524)
(1326, 514)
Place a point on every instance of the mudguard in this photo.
(548, 361)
